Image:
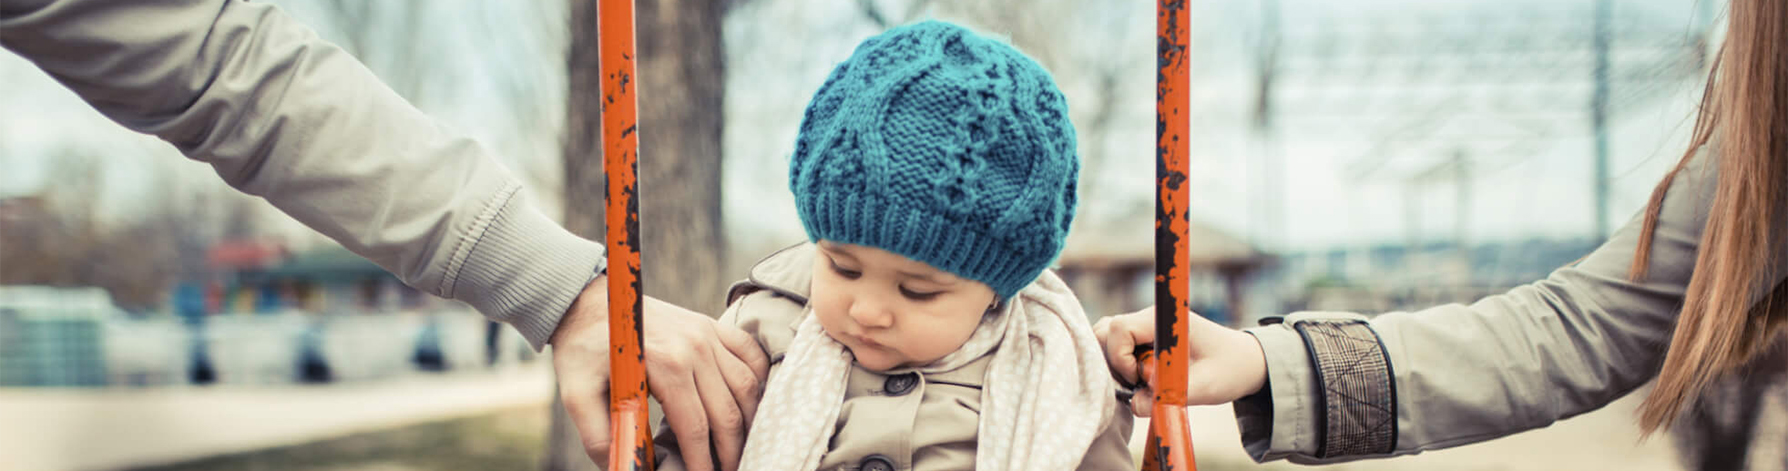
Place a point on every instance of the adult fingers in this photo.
(726, 423)
(1148, 372)
(1143, 403)
(745, 368)
(746, 387)
(586, 402)
(1118, 348)
(580, 361)
(684, 412)
(745, 348)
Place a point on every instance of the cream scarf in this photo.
(1046, 397)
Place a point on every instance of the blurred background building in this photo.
(1367, 155)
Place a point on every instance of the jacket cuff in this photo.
(1358, 413)
(1330, 394)
(1280, 421)
(522, 268)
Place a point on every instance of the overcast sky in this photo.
(1531, 176)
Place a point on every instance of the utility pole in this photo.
(1412, 218)
(1462, 215)
(1269, 220)
(1599, 115)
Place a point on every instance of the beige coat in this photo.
(281, 114)
(913, 421)
(1342, 389)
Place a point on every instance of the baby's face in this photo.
(892, 311)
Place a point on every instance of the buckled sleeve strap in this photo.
(1330, 394)
(1358, 400)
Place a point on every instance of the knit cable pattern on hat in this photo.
(943, 146)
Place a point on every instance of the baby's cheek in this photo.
(944, 340)
(827, 309)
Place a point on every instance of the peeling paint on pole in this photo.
(1169, 440)
(630, 430)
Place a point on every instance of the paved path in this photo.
(73, 429)
(1604, 439)
(109, 429)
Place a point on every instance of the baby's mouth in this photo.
(866, 341)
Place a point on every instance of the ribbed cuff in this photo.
(524, 270)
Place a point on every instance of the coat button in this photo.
(876, 463)
(899, 385)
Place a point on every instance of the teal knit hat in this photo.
(945, 147)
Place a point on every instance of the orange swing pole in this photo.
(630, 429)
(1169, 438)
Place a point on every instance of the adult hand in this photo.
(708, 377)
(1227, 364)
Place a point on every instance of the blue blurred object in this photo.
(52, 336)
(429, 356)
(189, 301)
(312, 367)
(267, 299)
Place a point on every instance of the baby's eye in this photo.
(917, 296)
(848, 274)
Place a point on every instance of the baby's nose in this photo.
(869, 314)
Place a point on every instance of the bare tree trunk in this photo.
(683, 75)
(584, 178)
(682, 78)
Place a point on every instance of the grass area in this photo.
(507, 440)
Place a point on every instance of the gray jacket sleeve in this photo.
(1342, 388)
(284, 115)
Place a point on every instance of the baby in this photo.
(918, 328)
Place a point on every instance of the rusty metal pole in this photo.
(630, 430)
(1170, 440)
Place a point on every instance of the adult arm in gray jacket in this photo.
(284, 115)
(1325, 387)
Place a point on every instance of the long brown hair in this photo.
(1744, 119)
